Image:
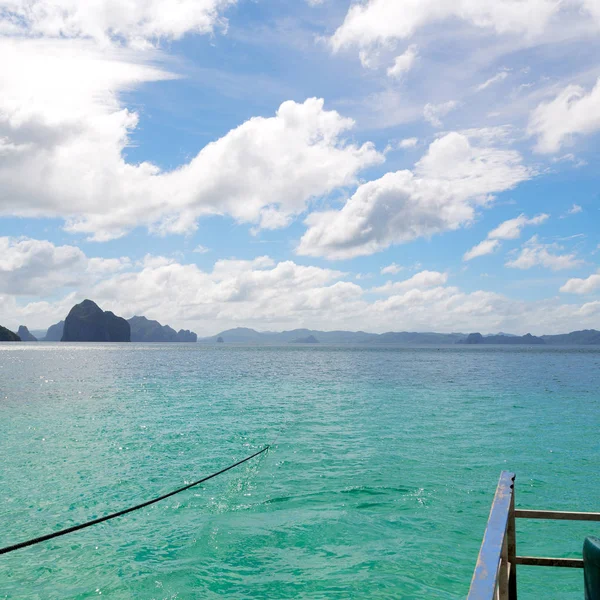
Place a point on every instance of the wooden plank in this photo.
(535, 561)
(483, 584)
(558, 515)
(503, 573)
(511, 536)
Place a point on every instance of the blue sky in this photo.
(377, 165)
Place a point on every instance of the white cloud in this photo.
(481, 249)
(433, 112)
(381, 22)
(106, 266)
(200, 249)
(593, 8)
(65, 67)
(403, 63)
(37, 267)
(257, 292)
(511, 229)
(582, 286)
(61, 120)
(575, 209)
(536, 254)
(419, 281)
(138, 22)
(263, 293)
(408, 143)
(508, 230)
(447, 308)
(573, 112)
(501, 76)
(570, 157)
(504, 134)
(392, 269)
(441, 194)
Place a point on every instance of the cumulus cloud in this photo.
(403, 63)
(258, 292)
(64, 128)
(440, 194)
(536, 254)
(557, 122)
(447, 308)
(419, 281)
(392, 269)
(61, 121)
(264, 293)
(408, 143)
(137, 22)
(38, 267)
(481, 249)
(582, 286)
(433, 112)
(377, 23)
(508, 230)
(511, 229)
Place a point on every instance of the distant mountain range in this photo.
(251, 336)
(140, 329)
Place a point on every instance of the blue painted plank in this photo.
(483, 584)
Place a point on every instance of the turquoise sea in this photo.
(378, 485)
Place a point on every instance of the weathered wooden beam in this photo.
(511, 536)
(485, 577)
(558, 515)
(535, 561)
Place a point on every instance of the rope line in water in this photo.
(50, 536)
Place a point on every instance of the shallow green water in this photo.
(379, 484)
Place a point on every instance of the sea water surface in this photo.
(383, 466)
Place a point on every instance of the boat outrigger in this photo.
(495, 576)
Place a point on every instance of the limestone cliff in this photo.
(87, 322)
(24, 334)
(6, 335)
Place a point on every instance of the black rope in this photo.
(44, 538)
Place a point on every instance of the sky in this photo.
(383, 165)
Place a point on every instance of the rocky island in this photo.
(527, 339)
(55, 332)
(145, 330)
(6, 335)
(87, 322)
(185, 335)
(24, 334)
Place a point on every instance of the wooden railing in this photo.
(495, 576)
